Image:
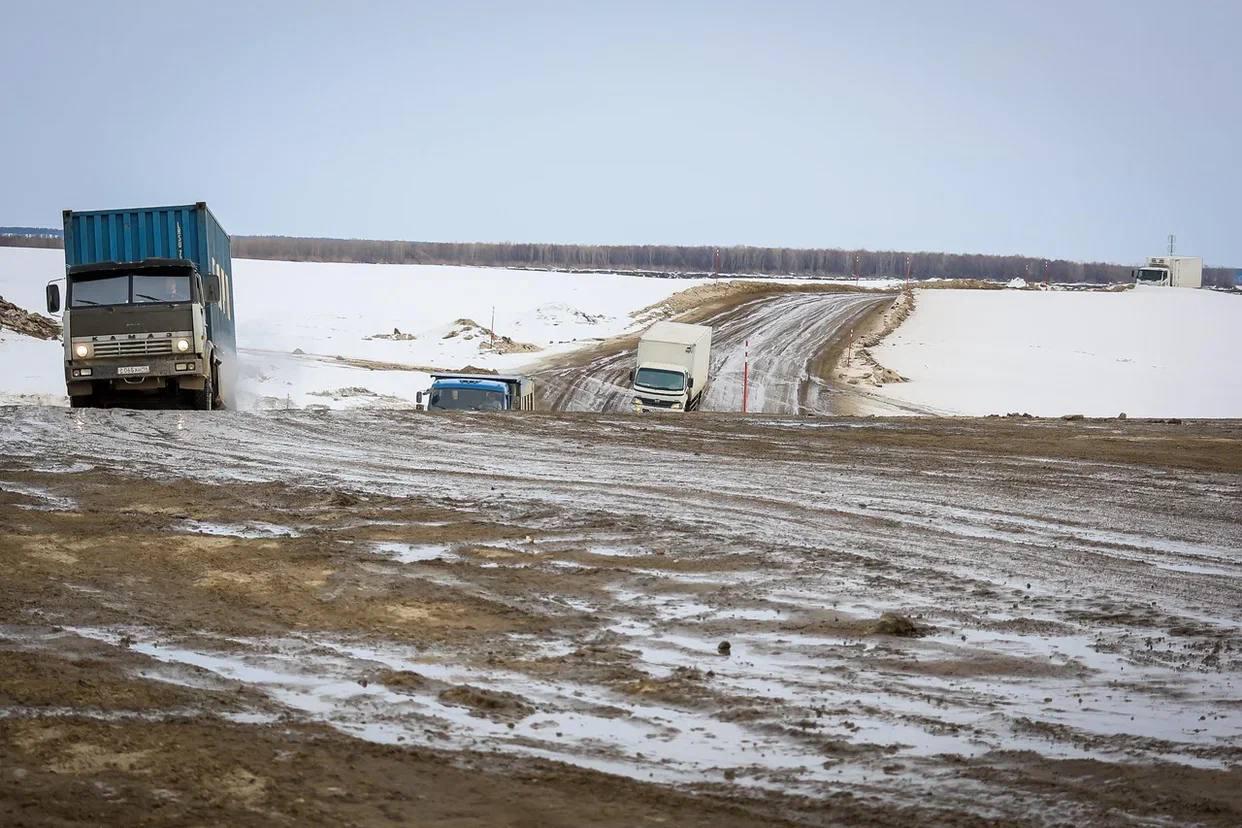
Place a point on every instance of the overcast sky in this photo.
(1084, 130)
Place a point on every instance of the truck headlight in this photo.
(82, 350)
(183, 345)
(676, 406)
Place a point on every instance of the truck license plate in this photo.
(125, 370)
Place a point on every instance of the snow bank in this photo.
(31, 369)
(1150, 352)
(323, 334)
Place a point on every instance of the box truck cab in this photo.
(148, 305)
(670, 373)
(477, 392)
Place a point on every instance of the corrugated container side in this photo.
(219, 260)
(133, 235)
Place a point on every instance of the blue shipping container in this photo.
(183, 232)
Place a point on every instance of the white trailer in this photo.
(1174, 271)
(671, 366)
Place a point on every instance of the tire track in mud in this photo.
(779, 502)
(789, 335)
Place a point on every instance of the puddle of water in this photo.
(75, 467)
(618, 551)
(647, 741)
(48, 502)
(749, 615)
(411, 552)
(250, 531)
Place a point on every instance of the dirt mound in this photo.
(489, 341)
(401, 681)
(857, 364)
(25, 322)
(488, 704)
(706, 297)
(396, 336)
(342, 393)
(893, 623)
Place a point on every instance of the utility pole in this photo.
(493, 328)
(1172, 239)
(907, 272)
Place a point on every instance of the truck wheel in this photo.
(82, 401)
(218, 401)
(203, 399)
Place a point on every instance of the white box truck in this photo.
(1174, 271)
(671, 369)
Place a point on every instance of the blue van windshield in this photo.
(466, 399)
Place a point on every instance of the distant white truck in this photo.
(671, 369)
(1174, 271)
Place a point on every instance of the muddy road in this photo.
(793, 339)
(376, 617)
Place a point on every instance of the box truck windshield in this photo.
(659, 379)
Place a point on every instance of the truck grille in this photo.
(133, 347)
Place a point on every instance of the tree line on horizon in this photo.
(676, 260)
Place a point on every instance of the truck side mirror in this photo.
(689, 383)
(53, 298)
(211, 287)
(631, 375)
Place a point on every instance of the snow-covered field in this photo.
(347, 335)
(1150, 352)
(307, 331)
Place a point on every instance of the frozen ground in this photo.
(368, 591)
(1150, 352)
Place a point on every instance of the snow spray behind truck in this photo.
(672, 363)
(148, 305)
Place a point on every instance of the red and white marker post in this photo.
(746, 377)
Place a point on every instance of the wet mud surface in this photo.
(369, 618)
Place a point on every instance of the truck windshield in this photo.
(466, 399)
(161, 288)
(110, 290)
(660, 380)
(126, 288)
(1146, 275)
